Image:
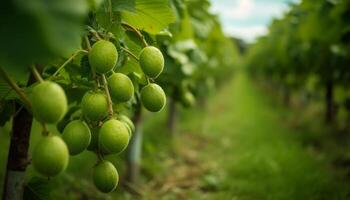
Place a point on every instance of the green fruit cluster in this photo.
(98, 129)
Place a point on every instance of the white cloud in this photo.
(248, 33)
(247, 19)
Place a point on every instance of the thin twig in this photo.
(15, 87)
(130, 53)
(45, 131)
(68, 60)
(88, 45)
(137, 32)
(36, 74)
(109, 99)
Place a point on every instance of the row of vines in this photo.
(89, 69)
(308, 51)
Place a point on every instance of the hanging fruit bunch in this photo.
(99, 128)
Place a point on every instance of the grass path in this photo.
(249, 153)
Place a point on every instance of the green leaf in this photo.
(37, 189)
(151, 16)
(38, 30)
(123, 5)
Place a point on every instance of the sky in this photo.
(247, 19)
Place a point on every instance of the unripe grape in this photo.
(153, 97)
(113, 137)
(187, 99)
(77, 136)
(49, 102)
(151, 61)
(120, 87)
(129, 124)
(103, 56)
(105, 176)
(94, 105)
(50, 156)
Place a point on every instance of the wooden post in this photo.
(134, 150)
(18, 160)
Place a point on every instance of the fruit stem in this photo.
(15, 87)
(137, 32)
(36, 74)
(109, 99)
(45, 131)
(68, 60)
(94, 33)
(88, 45)
(130, 53)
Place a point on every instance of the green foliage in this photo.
(140, 45)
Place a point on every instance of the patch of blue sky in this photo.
(248, 19)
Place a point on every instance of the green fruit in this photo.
(129, 124)
(151, 61)
(113, 137)
(49, 102)
(103, 56)
(105, 176)
(77, 136)
(50, 156)
(93, 146)
(95, 4)
(120, 87)
(153, 97)
(94, 105)
(187, 99)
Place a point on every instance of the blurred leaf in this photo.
(37, 189)
(123, 5)
(151, 15)
(39, 30)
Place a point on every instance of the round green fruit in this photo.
(120, 87)
(187, 99)
(153, 97)
(105, 176)
(94, 105)
(50, 156)
(151, 61)
(77, 136)
(93, 146)
(49, 102)
(103, 56)
(113, 137)
(129, 124)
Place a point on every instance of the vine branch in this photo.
(15, 87)
(137, 32)
(36, 74)
(109, 99)
(69, 60)
(130, 53)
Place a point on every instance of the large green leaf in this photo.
(39, 30)
(151, 15)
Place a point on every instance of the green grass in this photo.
(239, 147)
(257, 156)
